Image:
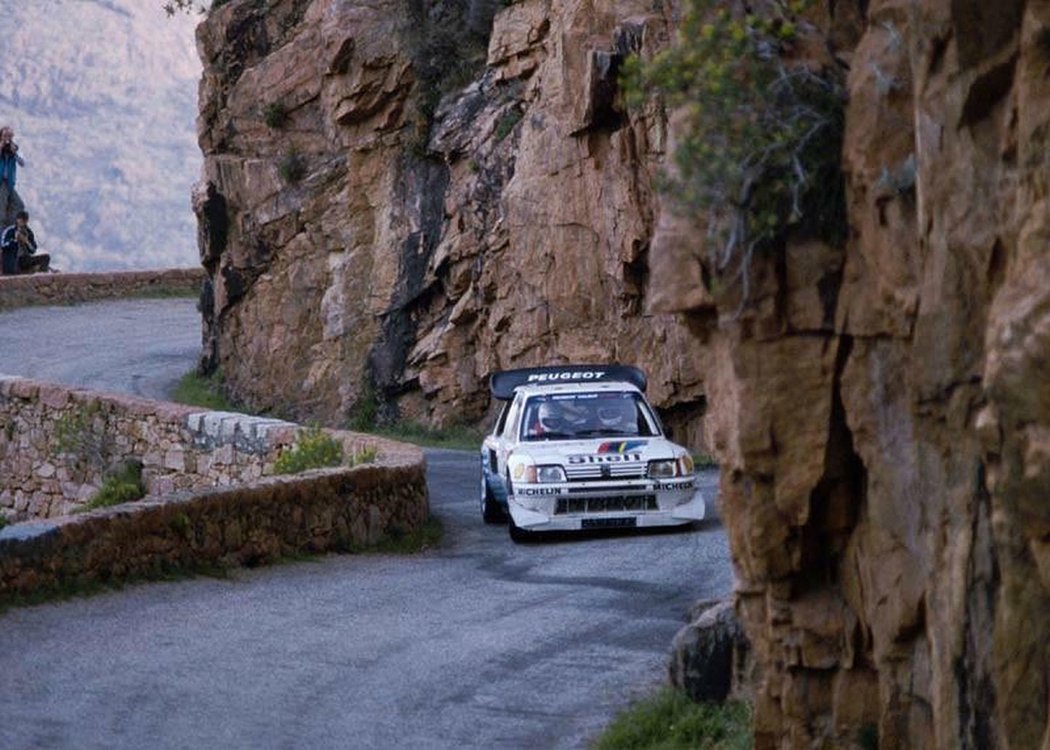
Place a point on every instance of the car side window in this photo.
(648, 423)
(511, 419)
(501, 421)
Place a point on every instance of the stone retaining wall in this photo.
(73, 288)
(212, 496)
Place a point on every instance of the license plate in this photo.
(608, 523)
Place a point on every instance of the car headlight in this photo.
(663, 469)
(550, 474)
(685, 465)
(530, 474)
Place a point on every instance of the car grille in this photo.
(606, 504)
(590, 472)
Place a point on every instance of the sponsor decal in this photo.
(607, 458)
(622, 446)
(555, 377)
(529, 492)
(681, 484)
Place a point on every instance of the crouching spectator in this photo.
(19, 248)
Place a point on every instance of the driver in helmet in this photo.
(549, 418)
(618, 416)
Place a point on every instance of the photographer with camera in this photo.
(10, 161)
(18, 246)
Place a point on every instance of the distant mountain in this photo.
(102, 95)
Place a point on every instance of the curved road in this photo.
(479, 643)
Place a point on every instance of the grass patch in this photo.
(460, 437)
(670, 720)
(401, 542)
(197, 390)
(124, 485)
(704, 461)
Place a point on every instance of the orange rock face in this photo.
(886, 473)
(409, 260)
(881, 410)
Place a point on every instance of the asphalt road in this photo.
(139, 346)
(479, 643)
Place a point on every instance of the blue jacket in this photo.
(9, 162)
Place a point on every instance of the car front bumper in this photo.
(585, 505)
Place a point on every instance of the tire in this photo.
(491, 512)
(518, 535)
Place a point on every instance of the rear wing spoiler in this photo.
(503, 384)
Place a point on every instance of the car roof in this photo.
(556, 388)
(505, 383)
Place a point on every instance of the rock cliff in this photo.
(368, 252)
(881, 410)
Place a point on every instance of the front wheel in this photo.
(517, 534)
(491, 512)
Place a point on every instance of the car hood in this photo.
(599, 449)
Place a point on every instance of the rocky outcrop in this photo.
(882, 411)
(709, 656)
(367, 251)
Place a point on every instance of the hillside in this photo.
(102, 95)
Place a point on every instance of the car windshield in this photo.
(568, 416)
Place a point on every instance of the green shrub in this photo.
(314, 449)
(761, 151)
(292, 167)
(449, 45)
(367, 455)
(81, 433)
(3, 521)
(275, 115)
(670, 720)
(506, 123)
(365, 412)
(123, 485)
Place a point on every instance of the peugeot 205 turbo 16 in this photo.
(579, 447)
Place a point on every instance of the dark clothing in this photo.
(19, 251)
(10, 202)
(9, 163)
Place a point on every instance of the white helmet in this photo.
(618, 414)
(550, 416)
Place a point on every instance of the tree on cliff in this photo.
(760, 154)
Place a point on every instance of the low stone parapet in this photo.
(212, 496)
(74, 288)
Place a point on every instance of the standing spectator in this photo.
(18, 246)
(10, 161)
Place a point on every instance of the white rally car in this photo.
(579, 447)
